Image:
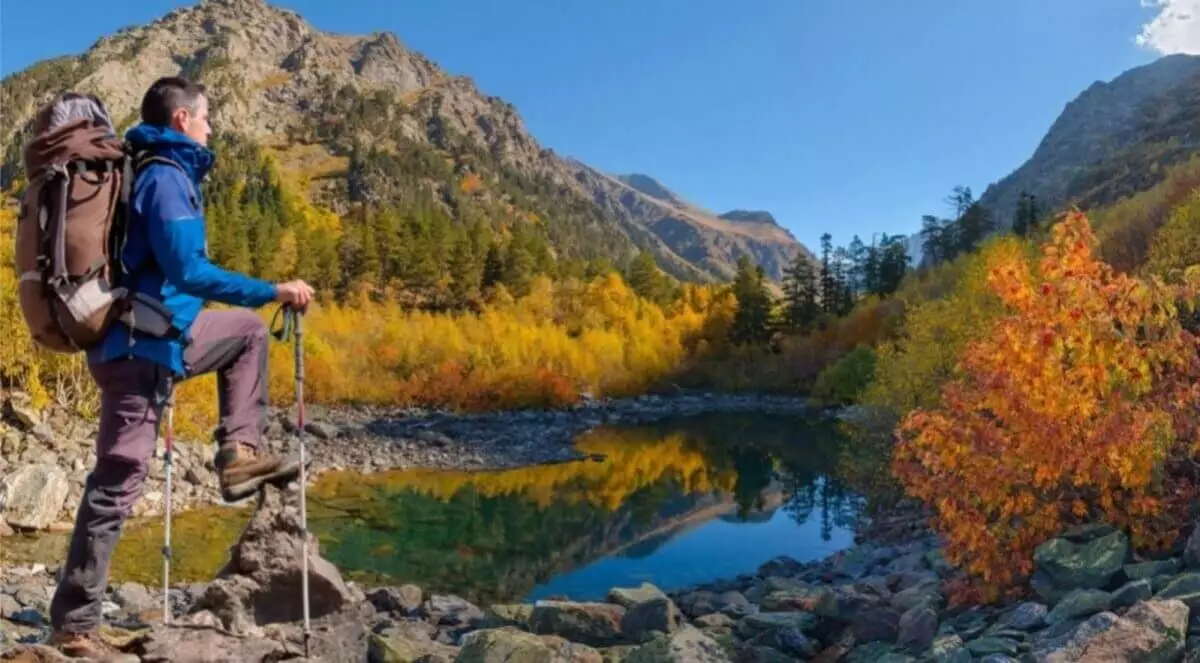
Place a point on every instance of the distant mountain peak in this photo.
(750, 216)
(649, 186)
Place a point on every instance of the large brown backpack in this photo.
(71, 226)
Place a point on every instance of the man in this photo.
(166, 257)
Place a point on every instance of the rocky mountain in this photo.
(362, 120)
(1112, 140)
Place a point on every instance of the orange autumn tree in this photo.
(1077, 405)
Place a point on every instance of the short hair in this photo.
(168, 94)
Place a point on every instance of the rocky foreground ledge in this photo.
(45, 457)
(882, 600)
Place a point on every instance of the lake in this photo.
(678, 503)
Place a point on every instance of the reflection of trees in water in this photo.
(495, 536)
(837, 506)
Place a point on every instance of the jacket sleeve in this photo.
(175, 229)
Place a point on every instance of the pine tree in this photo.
(647, 279)
(752, 323)
(828, 282)
(493, 268)
(857, 254)
(800, 291)
(1025, 220)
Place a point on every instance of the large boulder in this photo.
(1150, 632)
(511, 645)
(32, 496)
(688, 645)
(1085, 560)
(261, 583)
(595, 624)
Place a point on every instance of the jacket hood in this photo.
(165, 141)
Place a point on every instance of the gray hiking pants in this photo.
(133, 391)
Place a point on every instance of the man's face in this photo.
(194, 125)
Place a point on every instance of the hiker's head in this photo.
(179, 104)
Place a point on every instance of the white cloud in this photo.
(1176, 28)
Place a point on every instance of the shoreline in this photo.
(45, 460)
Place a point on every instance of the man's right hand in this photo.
(296, 294)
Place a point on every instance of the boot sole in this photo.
(287, 473)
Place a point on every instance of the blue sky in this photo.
(846, 117)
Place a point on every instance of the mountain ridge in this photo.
(282, 83)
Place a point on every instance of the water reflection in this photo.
(680, 502)
(677, 503)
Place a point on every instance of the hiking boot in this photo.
(241, 470)
(88, 647)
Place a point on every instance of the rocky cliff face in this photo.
(1111, 140)
(316, 97)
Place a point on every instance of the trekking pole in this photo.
(166, 550)
(299, 343)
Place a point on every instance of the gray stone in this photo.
(1079, 603)
(882, 623)
(595, 624)
(627, 597)
(261, 583)
(1089, 564)
(1151, 631)
(1147, 570)
(33, 496)
(644, 619)
(1027, 616)
(1185, 587)
(989, 644)
(688, 645)
(507, 644)
(1130, 593)
(917, 628)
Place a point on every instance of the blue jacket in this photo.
(167, 250)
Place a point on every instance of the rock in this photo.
(1151, 631)
(5, 530)
(793, 641)
(44, 433)
(643, 620)
(1130, 593)
(25, 417)
(1027, 616)
(596, 624)
(928, 594)
(917, 628)
(510, 645)
(133, 597)
(688, 645)
(715, 621)
(818, 600)
(949, 649)
(755, 624)
(401, 644)
(322, 430)
(1147, 570)
(1191, 550)
(193, 644)
(629, 597)
(507, 614)
(1079, 603)
(405, 600)
(1088, 564)
(882, 623)
(1185, 587)
(33, 495)
(451, 610)
(261, 584)
(990, 644)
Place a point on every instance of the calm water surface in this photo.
(678, 503)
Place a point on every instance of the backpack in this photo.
(72, 227)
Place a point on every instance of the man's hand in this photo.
(294, 293)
